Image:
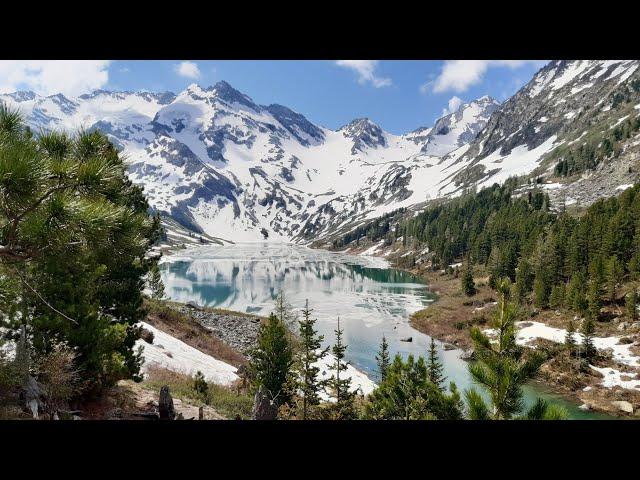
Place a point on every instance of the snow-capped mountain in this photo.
(218, 163)
(568, 110)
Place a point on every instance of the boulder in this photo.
(407, 339)
(622, 326)
(448, 346)
(468, 354)
(623, 406)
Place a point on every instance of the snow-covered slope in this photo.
(218, 163)
(567, 102)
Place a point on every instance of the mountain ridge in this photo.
(218, 163)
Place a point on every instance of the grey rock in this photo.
(623, 406)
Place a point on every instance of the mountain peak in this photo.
(364, 133)
(224, 91)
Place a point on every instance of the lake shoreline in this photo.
(449, 318)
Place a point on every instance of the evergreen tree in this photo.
(383, 359)
(569, 339)
(284, 310)
(344, 407)
(408, 394)
(541, 291)
(631, 301)
(272, 360)
(594, 301)
(310, 352)
(588, 332)
(615, 272)
(502, 368)
(556, 299)
(200, 385)
(468, 286)
(435, 367)
(155, 282)
(74, 238)
(524, 279)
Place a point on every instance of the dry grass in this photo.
(449, 318)
(165, 317)
(228, 401)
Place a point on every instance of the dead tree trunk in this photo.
(165, 405)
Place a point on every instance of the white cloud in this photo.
(47, 77)
(460, 75)
(452, 106)
(366, 72)
(187, 69)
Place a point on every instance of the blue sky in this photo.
(398, 95)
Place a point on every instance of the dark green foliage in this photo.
(272, 360)
(541, 292)
(74, 233)
(614, 273)
(434, 367)
(524, 279)
(344, 407)
(310, 352)
(468, 286)
(503, 367)
(200, 384)
(408, 394)
(583, 156)
(520, 240)
(383, 359)
(569, 339)
(155, 282)
(593, 300)
(588, 332)
(556, 298)
(374, 230)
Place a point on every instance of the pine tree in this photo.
(200, 385)
(524, 279)
(344, 408)
(283, 309)
(631, 301)
(569, 339)
(408, 394)
(383, 360)
(556, 299)
(541, 291)
(435, 367)
(588, 332)
(502, 368)
(74, 238)
(594, 301)
(155, 282)
(272, 360)
(468, 286)
(310, 353)
(614, 274)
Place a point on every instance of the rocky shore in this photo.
(238, 330)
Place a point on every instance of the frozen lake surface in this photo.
(369, 297)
